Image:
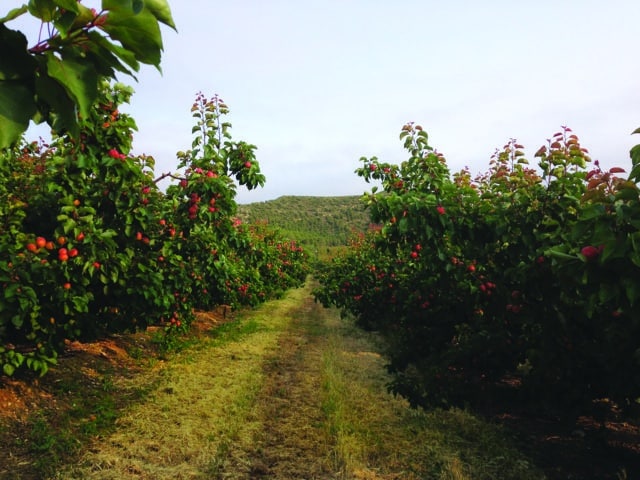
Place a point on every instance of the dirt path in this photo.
(292, 441)
(287, 391)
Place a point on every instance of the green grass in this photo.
(373, 431)
(201, 404)
(51, 437)
(198, 413)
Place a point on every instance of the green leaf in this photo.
(17, 107)
(592, 211)
(161, 10)
(111, 55)
(634, 175)
(14, 13)
(42, 9)
(71, 5)
(73, 20)
(15, 62)
(78, 79)
(138, 33)
(627, 191)
(607, 292)
(8, 369)
(632, 290)
(634, 153)
(560, 255)
(59, 108)
(137, 6)
(114, 5)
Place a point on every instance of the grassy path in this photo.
(288, 391)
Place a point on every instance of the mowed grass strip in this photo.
(376, 435)
(290, 390)
(201, 405)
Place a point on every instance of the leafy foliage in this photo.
(89, 245)
(59, 77)
(316, 222)
(524, 275)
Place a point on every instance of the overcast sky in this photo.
(315, 85)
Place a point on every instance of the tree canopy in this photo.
(55, 79)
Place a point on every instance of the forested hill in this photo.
(312, 221)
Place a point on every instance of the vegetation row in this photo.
(90, 245)
(521, 284)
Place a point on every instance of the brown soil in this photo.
(583, 451)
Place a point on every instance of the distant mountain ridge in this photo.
(312, 221)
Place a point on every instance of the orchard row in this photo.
(90, 245)
(519, 284)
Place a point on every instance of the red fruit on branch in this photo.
(113, 153)
(41, 242)
(590, 252)
(471, 268)
(440, 209)
(80, 237)
(32, 247)
(247, 164)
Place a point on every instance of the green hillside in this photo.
(315, 222)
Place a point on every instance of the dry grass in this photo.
(378, 436)
(287, 391)
(202, 403)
